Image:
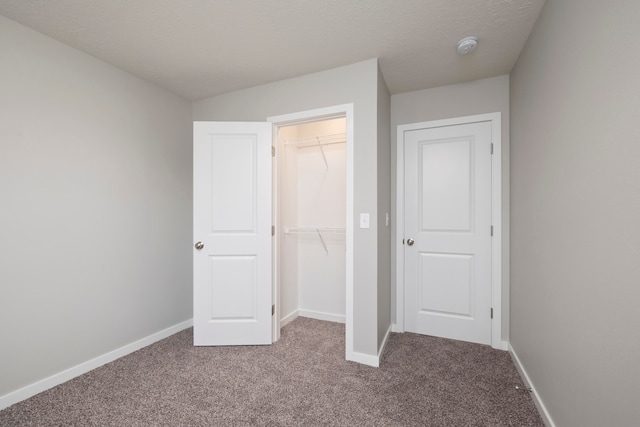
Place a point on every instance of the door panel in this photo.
(232, 218)
(233, 288)
(233, 182)
(448, 215)
(445, 207)
(451, 272)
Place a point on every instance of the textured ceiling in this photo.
(201, 48)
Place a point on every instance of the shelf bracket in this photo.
(322, 151)
(322, 240)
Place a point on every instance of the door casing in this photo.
(496, 218)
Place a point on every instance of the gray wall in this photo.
(357, 84)
(466, 99)
(384, 206)
(95, 223)
(575, 209)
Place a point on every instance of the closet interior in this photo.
(311, 252)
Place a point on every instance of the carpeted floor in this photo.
(302, 380)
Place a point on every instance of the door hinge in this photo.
(273, 151)
(492, 312)
(273, 230)
(492, 148)
(492, 231)
(273, 309)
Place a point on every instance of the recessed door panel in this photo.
(233, 183)
(445, 181)
(446, 284)
(233, 288)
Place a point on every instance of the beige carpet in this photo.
(301, 380)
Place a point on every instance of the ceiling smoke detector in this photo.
(467, 44)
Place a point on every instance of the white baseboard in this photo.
(504, 345)
(75, 371)
(319, 315)
(384, 344)
(365, 359)
(288, 318)
(536, 398)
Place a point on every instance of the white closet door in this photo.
(232, 233)
(448, 232)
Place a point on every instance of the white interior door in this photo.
(232, 233)
(447, 235)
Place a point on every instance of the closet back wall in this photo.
(312, 210)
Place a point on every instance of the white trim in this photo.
(365, 359)
(496, 216)
(288, 319)
(544, 413)
(84, 367)
(344, 110)
(385, 340)
(275, 248)
(319, 315)
(400, 229)
(496, 221)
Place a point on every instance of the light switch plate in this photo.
(364, 220)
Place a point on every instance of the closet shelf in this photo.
(314, 230)
(319, 141)
(314, 141)
(318, 231)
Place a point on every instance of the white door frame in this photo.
(496, 217)
(345, 110)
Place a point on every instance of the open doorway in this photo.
(313, 210)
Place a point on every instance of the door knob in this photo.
(410, 242)
(199, 245)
